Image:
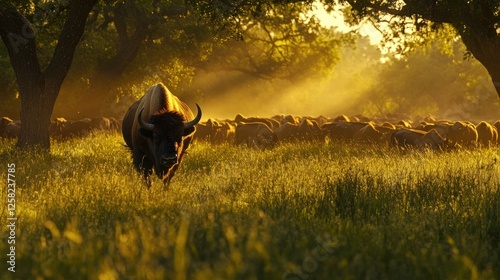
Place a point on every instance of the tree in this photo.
(39, 88)
(433, 79)
(279, 43)
(270, 41)
(475, 21)
(129, 45)
(131, 25)
(163, 40)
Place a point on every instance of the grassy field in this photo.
(299, 211)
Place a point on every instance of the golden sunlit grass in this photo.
(299, 211)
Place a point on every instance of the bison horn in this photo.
(195, 120)
(143, 124)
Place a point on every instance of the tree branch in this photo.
(71, 34)
(433, 11)
(19, 38)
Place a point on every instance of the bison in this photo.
(100, 123)
(344, 130)
(76, 128)
(441, 127)
(310, 131)
(207, 131)
(271, 123)
(9, 128)
(287, 132)
(158, 129)
(4, 122)
(369, 134)
(412, 138)
(487, 134)
(463, 134)
(496, 125)
(257, 135)
(225, 133)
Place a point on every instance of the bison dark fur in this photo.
(158, 129)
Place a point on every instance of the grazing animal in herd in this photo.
(497, 126)
(370, 134)
(463, 134)
(57, 127)
(310, 131)
(441, 127)
(345, 130)
(76, 128)
(290, 119)
(341, 118)
(204, 132)
(158, 129)
(321, 120)
(287, 132)
(412, 138)
(307, 130)
(386, 129)
(256, 134)
(487, 134)
(4, 121)
(115, 125)
(207, 131)
(404, 124)
(225, 133)
(271, 123)
(388, 125)
(60, 128)
(9, 128)
(100, 123)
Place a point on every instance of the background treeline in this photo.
(262, 61)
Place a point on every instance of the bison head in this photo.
(165, 131)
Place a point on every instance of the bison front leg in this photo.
(168, 177)
(144, 166)
(171, 172)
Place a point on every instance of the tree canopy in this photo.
(87, 55)
(39, 85)
(475, 21)
(128, 45)
(128, 42)
(431, 80)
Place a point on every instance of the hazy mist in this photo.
(426, 83)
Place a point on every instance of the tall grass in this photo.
(299, 211)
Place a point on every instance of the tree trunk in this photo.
(110, 72)
(486, 49)
(133, 27)
(108, 75)
(38, 90)
(494, 72)
(492, 64)
(36, 109)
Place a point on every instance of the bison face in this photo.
(165, 131)
(167, 145)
